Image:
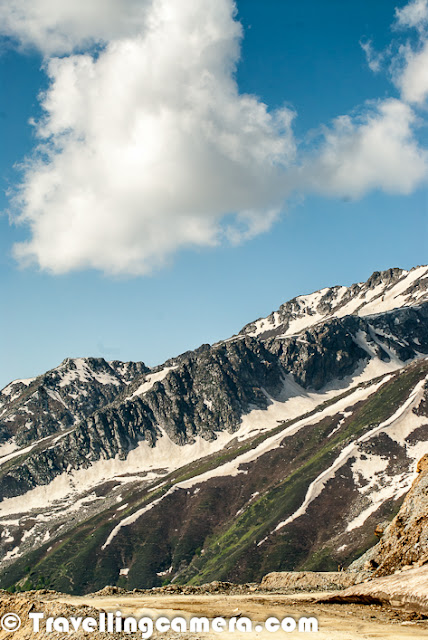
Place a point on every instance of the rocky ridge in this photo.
(37, 407)
(383, 291)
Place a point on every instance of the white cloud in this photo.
(374, 58)
(375, 151)
(150, 146)
(413, 14)
(61, 26)
(410, 67)
(412, 76)
(147, 147)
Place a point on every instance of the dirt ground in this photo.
(336, 621)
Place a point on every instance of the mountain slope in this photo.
(208, 391)
(201, 522)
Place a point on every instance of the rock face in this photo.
(35, 408)
(312, 580)
(279, 448)
(205, 392)
(332, 349)
(405, 541)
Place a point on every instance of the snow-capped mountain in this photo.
(306, 420)
(382, 292)
(37, 407)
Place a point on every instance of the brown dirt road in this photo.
(336, 621)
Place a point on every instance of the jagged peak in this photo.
(382, 292)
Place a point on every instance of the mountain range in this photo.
(280, 448)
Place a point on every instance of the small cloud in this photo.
(410, 73)
(373, 150)
(413, 15)
(374, 58)
(58, 28)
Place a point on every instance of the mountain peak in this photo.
(383, 291)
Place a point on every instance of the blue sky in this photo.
(145, 273)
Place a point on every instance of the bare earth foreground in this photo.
(336, 621)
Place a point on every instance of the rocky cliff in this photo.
(35, 408)
(404, 542)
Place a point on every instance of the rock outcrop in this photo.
(312, 580)
(60, 398)
(405, 541)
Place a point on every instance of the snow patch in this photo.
(135, 516)
(147, 463)
(150, 381)
(21, 451)
(395, 488)
(12, 554)
(8, 447)
(83, 373)
(9, 388)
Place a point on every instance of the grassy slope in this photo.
(225, 549)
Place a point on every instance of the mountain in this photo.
(383, 291)
(37, 407)
(291, 440)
